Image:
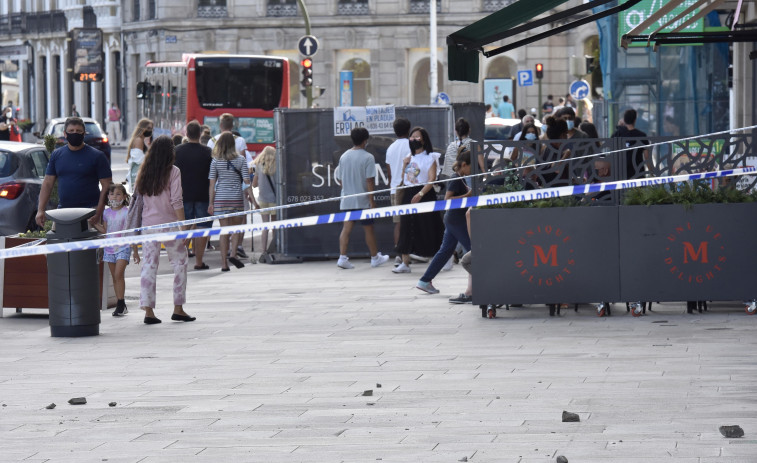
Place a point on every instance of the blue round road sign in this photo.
(308, 45)
(579, 89)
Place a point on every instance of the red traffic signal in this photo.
(307, 72)
(539, 70)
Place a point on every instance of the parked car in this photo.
(22, 168)
(93, 134)
(498, 129)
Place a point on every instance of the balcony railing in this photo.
(353, 8)
(496, 5)
(281, 9)
(33, 23)
(422, 6)
(212, 11)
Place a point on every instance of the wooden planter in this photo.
(23, 280)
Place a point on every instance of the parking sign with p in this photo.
(525, 78)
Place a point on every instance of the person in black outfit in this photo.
(635, 158)
(193, 159)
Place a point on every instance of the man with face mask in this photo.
(6, 124)
(78, 168)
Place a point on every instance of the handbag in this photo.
(134, 217)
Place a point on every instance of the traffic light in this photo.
(589, 64)
(539, 70)
(307, 72)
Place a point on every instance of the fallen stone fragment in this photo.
(50, 407)
(463, 459)
(112, 404)
(78, 401)
(562, 459)
(378, 385)
(568, 417)
(731, 431)
(368, 393)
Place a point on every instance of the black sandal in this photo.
(202, 267)
(237, 263)
(225, 269)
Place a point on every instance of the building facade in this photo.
(384, 42)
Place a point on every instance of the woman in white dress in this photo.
(138, 143)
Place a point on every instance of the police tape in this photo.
(573, 159)
(381, 212)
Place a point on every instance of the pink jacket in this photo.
(161, 208)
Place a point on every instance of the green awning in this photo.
(464, 45)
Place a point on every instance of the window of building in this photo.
(353, 7)
(496, 5)
(282, 8)
(501, 67)
(361, 81)
(422, 6)
(151, 9)
(212, 9)
(89, 16)
(135, 7)
(421, 84)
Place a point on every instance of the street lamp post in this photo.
(432, 56)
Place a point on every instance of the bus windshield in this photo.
(239, 82)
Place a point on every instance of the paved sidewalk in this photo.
(277, 364)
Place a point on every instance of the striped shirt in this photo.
(228, 184)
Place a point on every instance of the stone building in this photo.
(384, 42)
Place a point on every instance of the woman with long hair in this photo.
(135, 153)
(265, 167)
(229, 179)
(420, 234)
(159, 184)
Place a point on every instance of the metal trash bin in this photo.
(73, 280)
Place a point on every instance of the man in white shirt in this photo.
(395, 154)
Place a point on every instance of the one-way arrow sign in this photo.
(308, 45)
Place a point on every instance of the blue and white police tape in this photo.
(603, 154)
(389, 211)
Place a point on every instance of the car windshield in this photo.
(91, 128)
(497, 132)
(8, 164)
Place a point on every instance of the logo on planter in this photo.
(545, 256)
(695, 254)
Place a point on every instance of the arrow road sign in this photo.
(579, 89)
(308, 45)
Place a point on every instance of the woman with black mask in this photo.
(420, 234)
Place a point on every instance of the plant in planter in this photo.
(25, 125)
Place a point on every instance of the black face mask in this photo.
(415, 145)
(148, 133)
(74, 139)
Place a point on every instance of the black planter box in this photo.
(677, 253)
(549, 255)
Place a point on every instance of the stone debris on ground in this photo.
(50, 407)
(77, 401)
(568, 417)
(368, 393)
(111, 404)
(731, 432)
(562, 459)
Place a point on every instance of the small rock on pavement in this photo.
(50, 407)
(731, 431)
(111, 404)
(463, 459)
(562, 459)
(368, 393)
(568, 417)
(78, 401)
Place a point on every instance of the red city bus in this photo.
(204, 86)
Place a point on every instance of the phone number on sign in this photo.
(303, 199)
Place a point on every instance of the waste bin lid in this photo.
(70, 216)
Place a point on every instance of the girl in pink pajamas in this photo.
(159, 183)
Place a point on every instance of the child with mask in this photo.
(117, 257)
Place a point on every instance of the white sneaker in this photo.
(397, 260)
(448, 266)
(419, 258)
(344, 262)
(401, 268)
(379, 259)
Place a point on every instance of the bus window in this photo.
(250, 82)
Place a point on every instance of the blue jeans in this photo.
(455, 231)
